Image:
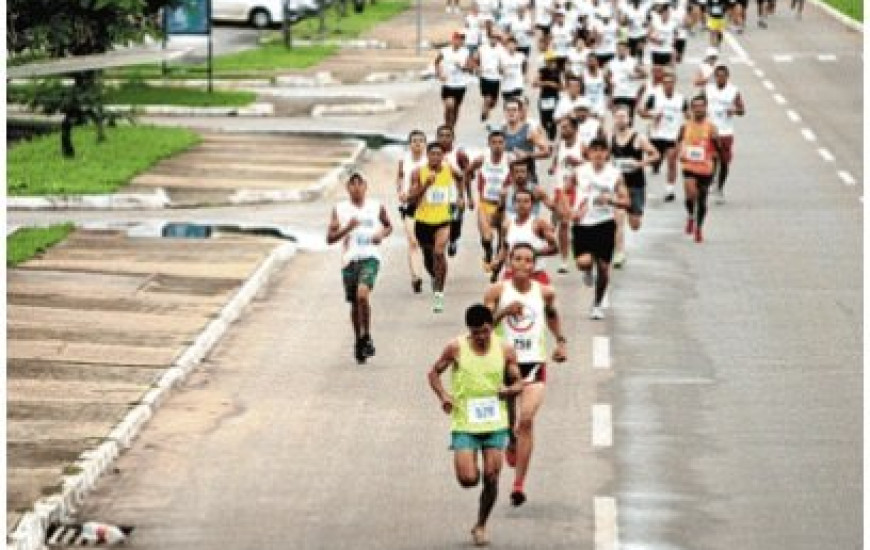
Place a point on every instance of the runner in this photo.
(473, 30)
(588, 127)
(605, 31)
(599, 189)
(488, 62)
(662, 34)
(493, 169)
(479, 363)
(522, 30)
(513, 64)
(431, 186)
(716, 21)
(361, 224)
(595, 86)
(724, 103)
(667, 108)
(698, 144)
(451, 64)
(570, 154)
(549, 80)
(544, 15)
(631, 153)
(634, 14)
(527, 228)
(624, 77)
(519, 181)
(458, 160)
(797, 6)
(737, 11)
(525, 142)
(577, 55)
(522, 307)
(765, 8)
(680, 15)
(704, 74)
(412, 160)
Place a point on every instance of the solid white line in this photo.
(846, 177)
(602, 426)
(606, 526)
(784, 58)
(759, 73)
(738, 49)
(808, 134)
(826, 155)
(827, 57)
(768, 84)
(779, 99)
(793, 115)
(600, 352)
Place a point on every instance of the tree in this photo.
(60, 28)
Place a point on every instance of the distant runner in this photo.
(413, 159)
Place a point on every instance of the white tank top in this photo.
(563, 168)
(671, 109)
(718, 103)
(624, 83)
(525, 233)
(493, 176)
(593, 89)
(526, 332)
(665, 31)
(408, 167)
(588, 130)
(591, 185)
(357, 244)
(454, 62)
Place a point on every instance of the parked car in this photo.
(258, 13)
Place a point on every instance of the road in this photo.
(718, 407)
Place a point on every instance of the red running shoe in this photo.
(699, 238)
(690, 226)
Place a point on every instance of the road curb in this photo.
(116, 201)
(349, 109)
(252, 110)
(31, 530)
(839, 16)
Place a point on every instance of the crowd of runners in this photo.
(590, 107)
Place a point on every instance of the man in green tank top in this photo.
(480, 362)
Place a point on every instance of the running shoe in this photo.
(588, 279)
(690, 226)
(597, 313)
(438, 302)
(518, 497)
(451, 248)
(359, 352)
(699, 237)
(619, 259)
(368, 346)
(417, 285)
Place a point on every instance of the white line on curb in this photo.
(602, 425)
(808, 134)
(768, 84)
(600, 352)
(845, 19)
(759, 73)
(827, 58)
(779, 99)
(606, 526)
(846, 177)
(793, 115)
(738, 49)
(783, 58)
(826, 155)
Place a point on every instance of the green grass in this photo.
(353, 24)
(138, 93)
(273, 57)
(36, 167)
(852, 8)
(27, 242)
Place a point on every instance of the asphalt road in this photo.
(727, 413)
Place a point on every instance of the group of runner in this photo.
(601, 66)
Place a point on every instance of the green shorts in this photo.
(359, 272)
(467, 441)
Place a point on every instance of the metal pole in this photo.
(419, 25)
(210, 69)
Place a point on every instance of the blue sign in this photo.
(188, 17)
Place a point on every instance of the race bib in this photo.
(437, 195)
(483, 410)
(548, 103)
(523, 344)
(695, 153)
(492, 192)
(625, 164)
(364, 239)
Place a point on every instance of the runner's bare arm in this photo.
(621, 200)
(439, 68)
(542, 146)
(445, 361)
(400, 176)
(513, 373)
(387, 228)
(739, 107)
(554, 323)
(501, 256)
(491, 298)
(419, 187)
(545, 232)
(651, 155)
(552, 169)
(463, 187)
(336, 232)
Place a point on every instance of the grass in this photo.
(353, 24)
(852, 8)
(273, 57)
(138, 93)
(27, 242)
(36, 167)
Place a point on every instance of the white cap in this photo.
(711, 52)
(583, 102)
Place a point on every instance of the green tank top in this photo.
(475, 381)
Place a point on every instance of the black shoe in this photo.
(417, 285)
(359, 352)
(518, 498)
(451, 249)
(368, 347)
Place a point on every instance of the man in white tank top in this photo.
(524, 309)
(667, 109)
(361, 224)
(525, 227)
(412, 160)
(724, 102)
(569, 155)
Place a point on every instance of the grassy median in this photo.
(852, 8)
(36, 167)
(27, 242)
(140, 93)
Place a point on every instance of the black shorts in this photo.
(544, 29)
(456, 93)
(702, 180)
(526, 51)
(635, 45)
(604, 59)
(680, 46)
(407, 210)
(489, 88)
(425, 232)
(597, 240)
(662, 146)
(512, 94)
(661, 58)
(526, 369)
(637, 199)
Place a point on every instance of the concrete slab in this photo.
(45, 454)
(82, 412)
(49, 317)
(108, 304)
(97, 353)
(199, 182)
(25, 485)
(72, 391)
(239, 270)
(258, 157)
(40, 430)
(40, 369)
(290, 169)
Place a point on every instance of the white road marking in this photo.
(602, 425)
(783, 58)
(606, 526)
(792, 114)
(846, 177)
(808, 134)
(827, 58)
(738, 49)
(779, 99)
(768, 84)
(759, 73)
(826, 155)
(600, 352)
(750, 62)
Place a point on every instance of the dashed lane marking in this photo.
(602, 425)
(826, 155)
(846, 177)
(606, 526)
(768, 84)
(779, 99)
(783, 58)
(759, 73)
(793, 115)
(600, 352)
(808, 134)
(827, 58)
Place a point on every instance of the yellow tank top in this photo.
(474, 383)
(433, 207)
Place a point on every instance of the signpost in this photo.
(191, 18)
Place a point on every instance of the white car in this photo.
(259, 13)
